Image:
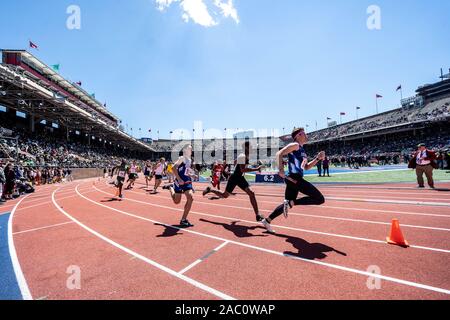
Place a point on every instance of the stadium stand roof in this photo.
(30, 86)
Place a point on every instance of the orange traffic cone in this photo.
(396, 235)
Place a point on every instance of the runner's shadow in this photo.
(169, 231)
(111, 200)
(442, 189)
(238, 230)
(306, 250)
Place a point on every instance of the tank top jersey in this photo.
(297, 161)
(184, 169)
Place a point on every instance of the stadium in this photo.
(89, 210)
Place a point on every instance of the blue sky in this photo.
(286, 63)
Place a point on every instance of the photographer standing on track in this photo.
(424, 161)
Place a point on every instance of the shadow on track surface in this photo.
(169, 231)
(238, 230)
(306, 250)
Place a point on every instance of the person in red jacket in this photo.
(424, 161)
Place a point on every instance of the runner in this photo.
(159, 171)
(237, 179)
(183, 184)
(132, 176)
(297, 164)
(216, 174)
(148, 172)
(170, 171)
(121, 174)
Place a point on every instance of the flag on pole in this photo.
(33, 45)
(379, 96)
(78, 83)
(358, 108)
(399, 88)
(104, 104)
(149, 130)
(55, 67)
(93, 95)
(342, 113)
(329, 119)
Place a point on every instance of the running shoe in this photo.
(167, 187)
(267, 226)
(186, 224)
(286, 207)
(259, 218)
(206, 191)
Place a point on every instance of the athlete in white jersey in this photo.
(160, 168)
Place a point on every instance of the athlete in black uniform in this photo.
(121, 174)
(237, 179)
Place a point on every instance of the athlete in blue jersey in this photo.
(295, 182)
(183, 184)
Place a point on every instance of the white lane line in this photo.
(276, 226)
(25, 291)
(196, 262)
(280, 227)
(367, 194)
(388, 191)
(141, 257)
(48, 202)
(43, 228)
(375, 200)
(317, 216)
(357, 209)
(301, 214)
(330, 265)
(416, 203)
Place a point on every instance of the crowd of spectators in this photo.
(385, 150)
(433, 111)
(16, 180)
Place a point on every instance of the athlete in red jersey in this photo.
(217, 174)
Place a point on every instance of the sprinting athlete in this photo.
(121, 174)
(237, 179)
(147, 172)
(183, 184)
(159, 171)
(132, 176)
(216, 174)
(170, 171)
(295, 183)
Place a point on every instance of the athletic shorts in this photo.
(119, 181)
(182, 189)
(237, 181)
(147, 173)
(303, 186)
(132, 176)
(158, 177)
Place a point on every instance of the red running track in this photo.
(133, 250)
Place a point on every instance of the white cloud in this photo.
(202, 11)
(228, 9)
